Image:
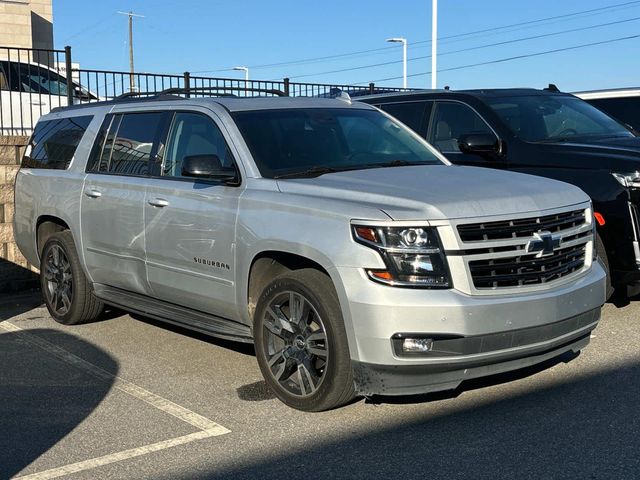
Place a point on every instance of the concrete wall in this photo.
(26, 24)
(15, 273)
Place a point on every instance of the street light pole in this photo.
(245, 70)
(404, 57)
(434, 43)
(130, 14)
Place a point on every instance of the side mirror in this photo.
(208, 167)
(480, 143)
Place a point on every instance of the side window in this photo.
(130, 149)
(38, 79)
(452, 120)
(54, 142)
(412, 114)
(193, 134)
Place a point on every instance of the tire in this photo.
(66, 291)
(305, 362)
(602, 255)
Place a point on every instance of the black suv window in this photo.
(452, 120)
(130, 148)
(193, 134)
(412, 114)
(54, 142)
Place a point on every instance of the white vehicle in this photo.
(621, 103)
(30, 90)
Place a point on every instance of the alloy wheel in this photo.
(59, 280)
(295, 342)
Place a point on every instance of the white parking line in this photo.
(119, 456)
(208, 428)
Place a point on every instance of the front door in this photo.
(190, 223)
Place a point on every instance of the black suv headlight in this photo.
(413, 255)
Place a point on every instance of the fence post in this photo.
(187, 83)
(286, 86)
(372, 87)
(67, 65)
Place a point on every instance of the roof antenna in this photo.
(446, 87)
(552, 88)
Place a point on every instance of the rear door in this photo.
(113, 227)
(190, 223)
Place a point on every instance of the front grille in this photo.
(527, 269)
(523, 227)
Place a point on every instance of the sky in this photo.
(309, 41)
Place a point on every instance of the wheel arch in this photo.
(47, 225)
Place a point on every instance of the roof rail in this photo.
(212, 90)
(171, 91)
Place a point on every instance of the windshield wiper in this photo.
(311, 172)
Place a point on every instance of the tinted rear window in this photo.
(54, 142)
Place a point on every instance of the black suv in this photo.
(546, 133)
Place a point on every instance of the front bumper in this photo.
(375, 313)
(372, 379)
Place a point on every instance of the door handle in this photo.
(92, 193)
(158, 202)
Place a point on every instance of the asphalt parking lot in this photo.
(132, 398)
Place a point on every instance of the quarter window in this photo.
(193, 134)
(54, 142)
(452, 120)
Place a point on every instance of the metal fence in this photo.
(34, 81)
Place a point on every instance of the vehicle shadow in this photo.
(41, 398)
(13, 304)
(16, 278)
(586, 428)
(239, 347)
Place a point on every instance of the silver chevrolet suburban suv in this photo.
(354, 256)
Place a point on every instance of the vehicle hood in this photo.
(614, 154)
(439, 192)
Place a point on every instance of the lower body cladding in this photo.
(456, 337)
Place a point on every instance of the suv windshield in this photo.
(540, 118)
(313, 141)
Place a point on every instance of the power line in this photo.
(508, 59)
(449, 37)
(478, 47)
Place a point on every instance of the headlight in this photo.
(413, 255)
(628, 179)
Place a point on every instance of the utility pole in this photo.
(130, 14)
(434, 42)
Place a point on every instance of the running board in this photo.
(174, 314)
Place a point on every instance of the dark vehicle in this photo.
(621, 103)
(546, 133)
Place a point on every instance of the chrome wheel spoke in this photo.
(278, 324)
(298, 308)
(295, 332)
(305, 380)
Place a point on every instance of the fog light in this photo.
(417, 345)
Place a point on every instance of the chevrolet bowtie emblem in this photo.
(543, 243)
